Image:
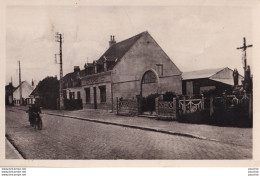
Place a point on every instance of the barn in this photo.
(199, 81)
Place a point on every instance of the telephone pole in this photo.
(59, 39)
(20, 83)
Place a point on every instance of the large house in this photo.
(133, 67)
(199, 81)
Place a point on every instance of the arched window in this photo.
(149, 77)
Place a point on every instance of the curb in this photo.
(13, 148)
(133, 126)
(136, 127)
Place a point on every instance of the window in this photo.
(87, 92)
(73, 95)
(78, 95)
(102, 94)
(159, 68)
(70, 95)
(149, 77)
(65, 94)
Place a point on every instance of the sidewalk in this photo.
(229, 135)
(11, 152)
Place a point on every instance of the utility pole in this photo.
(20, 83)
(244, 47)
(59, 39)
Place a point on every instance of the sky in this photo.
(194, 37)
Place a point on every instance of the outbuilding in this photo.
(199, 81)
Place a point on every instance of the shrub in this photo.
(168, 96)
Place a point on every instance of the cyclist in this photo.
(31, 116)
(36, 108)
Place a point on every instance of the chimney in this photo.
(76, 69)
(112, 40)
(86, 69)
(32, 83)
(105, 64)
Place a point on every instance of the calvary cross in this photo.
(244, 47)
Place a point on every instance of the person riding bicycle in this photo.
(34, 112)
(31, 116)
(36, 108)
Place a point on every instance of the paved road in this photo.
(64, 138)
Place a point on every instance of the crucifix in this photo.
(244, 47)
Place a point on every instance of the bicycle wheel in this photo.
(40, 124)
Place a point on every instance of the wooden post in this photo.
(157, 106)
(174, 109)
(117, 105)
(211, 109)
(177, 107)
(184, 105)
(202, 102)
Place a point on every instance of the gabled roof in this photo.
(34, 92)
(212, 75)
(199, 74)
(73, 75)
(112, 54)
(20, 85)
(26, 88)
(118, 50)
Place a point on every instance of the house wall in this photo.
(75, 90)
(227, 74)
(189, 88)
(26, 91)
(144, 55)
(95, 81)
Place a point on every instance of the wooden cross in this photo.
(244, 47)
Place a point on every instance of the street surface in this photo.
(66, 138)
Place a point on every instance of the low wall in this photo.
(166, 109)
(127, 107)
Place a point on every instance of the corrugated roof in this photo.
(198, 74)
(226, 81)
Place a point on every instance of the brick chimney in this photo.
(112, 40)
(76, 69)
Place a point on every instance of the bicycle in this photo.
(38, 121)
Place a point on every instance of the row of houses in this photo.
(135, 67)
(138, 67)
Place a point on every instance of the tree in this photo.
(48, 90)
